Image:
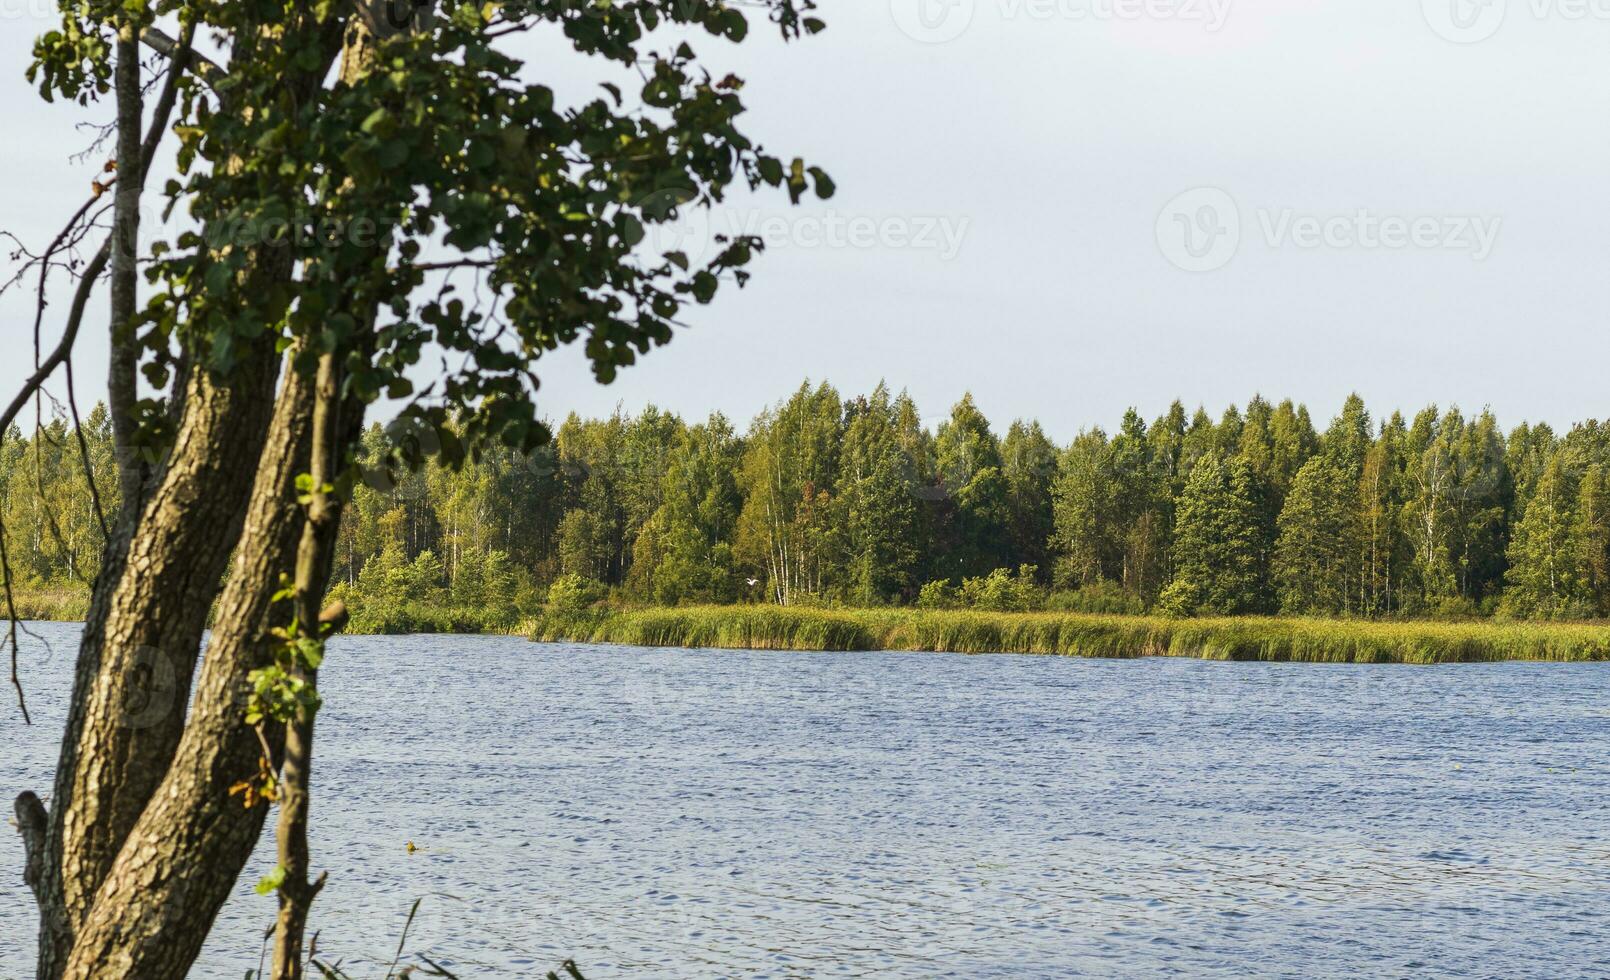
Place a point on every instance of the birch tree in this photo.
(363, 184)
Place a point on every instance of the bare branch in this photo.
(11, 626)
(454, 264)
(75, 319)
(97, 265)
(204, 68)
(181, 58)
(83, 455)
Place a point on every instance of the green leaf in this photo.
(272, 881)
(377, 120)
(393, 154)
(704, 287)
(825, 188)
(218, 276)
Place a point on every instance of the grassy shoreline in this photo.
(51, 605)
(916, 630)
(1079, 635)
(67, 605)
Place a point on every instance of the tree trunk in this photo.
(141, 640)
(181, 860)
(121, 387)
(146, 617)
(312, 569)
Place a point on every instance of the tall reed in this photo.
(51, 604)
(1074, 634)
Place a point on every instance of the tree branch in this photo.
(11, 624)
(75, 319)
(181, 59)
(97, 265)
(84, 458)
(33, 821)
(201, 66)
(122, 386)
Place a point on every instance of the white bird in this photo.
(753, 582)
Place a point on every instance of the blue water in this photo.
(699, 814)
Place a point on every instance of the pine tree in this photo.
(879, 497)
(1143, 521)
(881, 524)
(1529, 450)
(1218, 543)
(1292, 441)
(1029, 463)
(1543, 579)
(1348, 439)
(1319, 541)
(684, 551)
(970, 469)
(1084, 509)
(1590, 538)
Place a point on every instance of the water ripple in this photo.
(694, 814)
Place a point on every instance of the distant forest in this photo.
(853, 501)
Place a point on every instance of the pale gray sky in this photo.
(1400, 198)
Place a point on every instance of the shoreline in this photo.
(905, 630)
(1254, 639)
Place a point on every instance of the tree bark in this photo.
(313, 558)
(140, 645)
(148, 611)
(121, 388)
(331, 439)
(180, 862)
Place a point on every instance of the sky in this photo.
(1070, 207)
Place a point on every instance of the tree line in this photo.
(827, 499)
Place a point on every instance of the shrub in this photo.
(1180, 600)
(1001, 591)
(1102, 598)
(937, 595)
(1453, 609)
(573, 593)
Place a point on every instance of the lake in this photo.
(699, 813)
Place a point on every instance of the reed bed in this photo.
(70, 605)
(51, 605)
(1077, 635)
